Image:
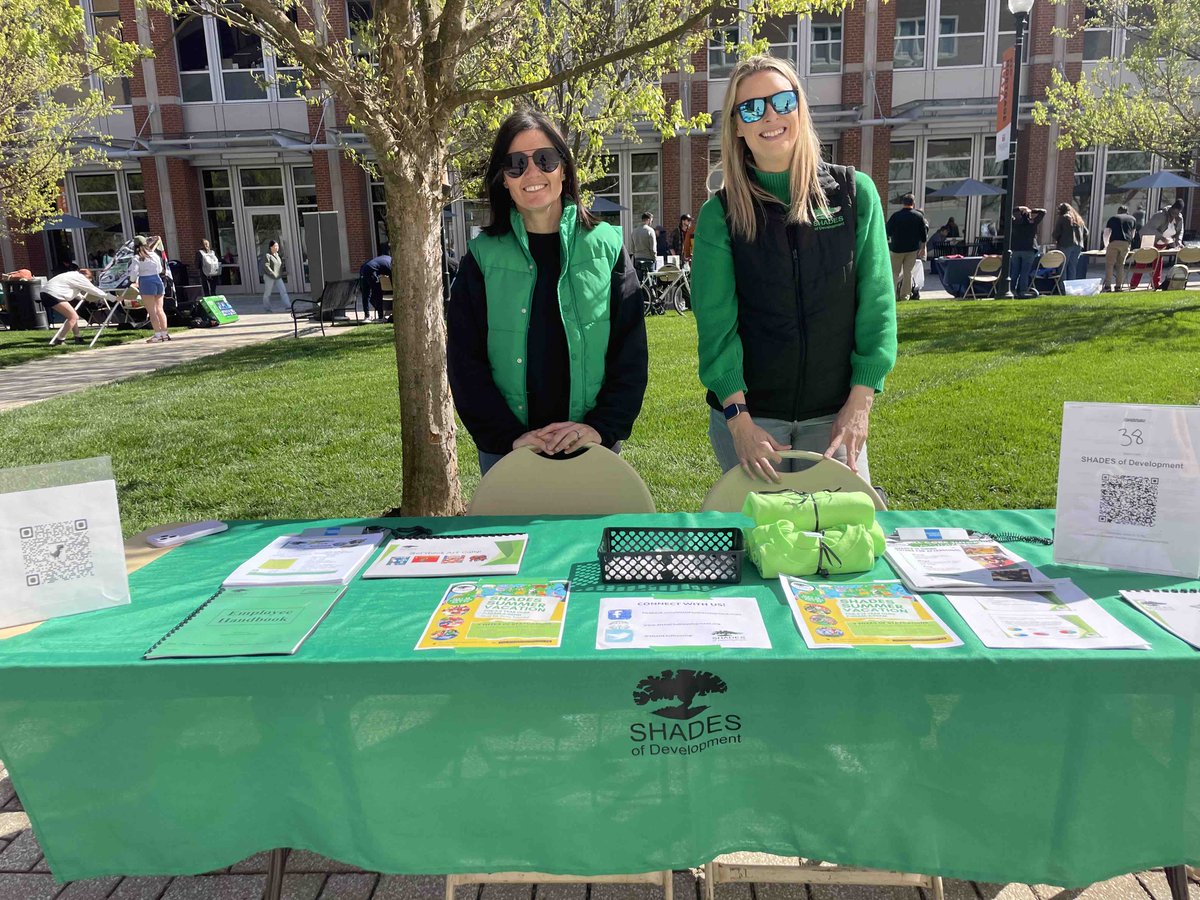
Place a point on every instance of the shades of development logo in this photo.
(682, 726)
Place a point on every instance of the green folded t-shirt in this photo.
(782, 548)
(811, 512)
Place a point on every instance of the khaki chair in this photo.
(986, 273)
(1142, 262)
(729, 493)
(1190, 257)
(1053, 259)
(596, 482)
(387, 294)
(813, 873)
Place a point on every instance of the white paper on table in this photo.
(644, 622)
(1064, 618)
(490, 554)
(292, 559)
(932, 533)
(61, 550)
(1129, 488)
(1176, 611)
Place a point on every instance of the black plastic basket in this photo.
(671, 556)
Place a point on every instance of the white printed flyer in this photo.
(1129, 488)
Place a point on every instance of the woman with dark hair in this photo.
(1070, 236)
(547, 344)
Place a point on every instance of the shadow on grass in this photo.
(1016, 327)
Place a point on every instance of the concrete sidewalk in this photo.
(59, 374)
(24, 875)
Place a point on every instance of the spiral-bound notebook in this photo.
(445, 556)
(249, 621)
(1176, 611)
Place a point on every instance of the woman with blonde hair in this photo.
(791, 285)
(149, 268)
(1070, 236)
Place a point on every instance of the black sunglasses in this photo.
(545, 158)
(755, 108)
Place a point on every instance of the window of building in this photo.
(946, 160)
(1097, 36)
(720, 60)
(135, 190)
(222, 230)
(901, 171)
(608, 187)
(98, 199)
(106, 23)
(1085, 180)
(992, 173)
(1006, 33)
(644, 191)
(829, 151)
(243, 65)
(784, 36)
(961, 25)
(825, 49)
(1120, 168)
(262, 187)
(909, 52)
(191, 49)
(379, 216)
(304, 189)
(360, 13)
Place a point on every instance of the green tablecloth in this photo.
(1031, 766)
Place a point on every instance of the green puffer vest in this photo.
(584, 297)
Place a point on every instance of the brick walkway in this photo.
(25, 876)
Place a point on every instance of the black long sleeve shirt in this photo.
(479, 402)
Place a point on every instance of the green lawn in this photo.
(23, 346)
(307, 429)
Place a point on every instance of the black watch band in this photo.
(734, 409)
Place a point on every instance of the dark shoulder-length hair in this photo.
(500, 202)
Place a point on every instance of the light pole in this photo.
(1020, 9)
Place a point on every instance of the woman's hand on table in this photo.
(563, 437)
(851, 425)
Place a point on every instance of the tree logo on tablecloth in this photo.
(684, 685)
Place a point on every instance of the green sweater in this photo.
(714, 298)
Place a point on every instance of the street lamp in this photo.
(1020, 9)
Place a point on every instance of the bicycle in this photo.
(675, 287)
(652, 294)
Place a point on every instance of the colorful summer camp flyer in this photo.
(666, 621)
(476, 614)
(1061, 618)
(491, 554)
(863, 614)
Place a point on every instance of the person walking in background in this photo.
(209, 266)
(645, 245)
(1069, 236)
(1025, 222)
(792, 292)
(272, 272)
(149, 267)
(679, 235)
(1122, 228)
(60, 293)
(907, 232)
(372, 290)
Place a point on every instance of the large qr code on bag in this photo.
(1128, 499)
(56, 551)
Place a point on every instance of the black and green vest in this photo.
(797, 299)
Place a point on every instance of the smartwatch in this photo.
(734, 409)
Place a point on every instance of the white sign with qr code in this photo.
(1129, 488)
(61, 552)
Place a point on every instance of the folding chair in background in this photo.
(1145, 259)
(1050, 268)
(986, 273)
(1190, 257)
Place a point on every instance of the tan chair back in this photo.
(385, 283)
(1145, 256)
(729, 493)
(989, 265)
(1189, 256)
(596, 482)
(1052, 259)
(668, 274)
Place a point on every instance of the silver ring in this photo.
(576, 441)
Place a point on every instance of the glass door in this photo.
(264, 225)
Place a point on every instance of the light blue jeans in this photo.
(811, 434)
(1021, 274)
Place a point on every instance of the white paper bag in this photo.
(61, 550)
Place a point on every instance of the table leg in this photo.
(274, 888)
(1178, 881)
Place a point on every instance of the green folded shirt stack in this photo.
(823, 533)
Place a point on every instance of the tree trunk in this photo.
(413, 182)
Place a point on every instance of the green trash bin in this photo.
(218, 309)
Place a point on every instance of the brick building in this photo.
(904, 90)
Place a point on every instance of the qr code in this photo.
(1128, 499)
(56, 551)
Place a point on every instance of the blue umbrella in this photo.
(968, 187)
(1160, 180)
(603, 205)
(67, 223)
